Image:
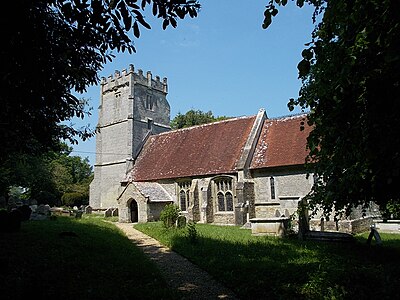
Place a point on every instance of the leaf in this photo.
(173, 22)
(143, 22)
(136, 30)
(267, 21)
(274, 12)
(154, 9)
(165, 23)
(304, 68)
(300, 3)
(307, 54)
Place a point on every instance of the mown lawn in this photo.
(71, 258)
(273, 268)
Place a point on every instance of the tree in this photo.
(49, 176)
(57, 50)
(54, 49)
(194, 117)
(351, 85)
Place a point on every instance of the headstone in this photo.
(115, 212)
(88, 209)
(304, 225)
(47, 210)
(108, 212)
(374, 234)
(41, 209)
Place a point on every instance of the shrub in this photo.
(73, 199)
(391, 210)
(192, 232)
(181, 222)
(169, 215)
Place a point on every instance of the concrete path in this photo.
(179, 273)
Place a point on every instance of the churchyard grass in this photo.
(68, 258)
(274, 268)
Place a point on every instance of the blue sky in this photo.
(222, 61)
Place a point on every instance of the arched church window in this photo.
(229, 201)
(224, 193)
(184, 193)
(221, 201)
(182, 196)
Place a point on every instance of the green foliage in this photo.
(181, 222)
(54, 55)
(74, 199)
(194, 117)
(257, 267)
(169, 215)
(351, 72)
(48, 176)
(391, 210)
(192, 232)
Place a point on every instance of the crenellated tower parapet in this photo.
(133, 105)
(129, 76)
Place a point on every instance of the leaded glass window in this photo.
(184, 189)
(182, 196)
(224, 193)
(221, 201)
(272, 184)
(229, 201)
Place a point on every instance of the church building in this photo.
(226, 172)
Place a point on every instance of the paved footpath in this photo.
(179, 273)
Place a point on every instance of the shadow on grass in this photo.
(75, 259)
(272, 268)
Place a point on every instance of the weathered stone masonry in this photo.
(132, 106)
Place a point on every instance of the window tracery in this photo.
(184, 188)
(224, 194)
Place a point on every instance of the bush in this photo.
(45, 197)
(192, 232)
(169, 215)
(181, 222)
(391, 210)
(73, 199)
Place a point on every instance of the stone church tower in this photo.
(132, 107)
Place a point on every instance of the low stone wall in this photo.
(347, 226)
(390, 226)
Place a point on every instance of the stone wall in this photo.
(132, 106)
(224, 218)
(106, 185)
(348, 226)
(154, 210)
(291, 184)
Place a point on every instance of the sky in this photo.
(221, 61)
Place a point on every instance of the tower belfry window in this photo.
(149, 102)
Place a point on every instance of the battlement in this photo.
(123, 78)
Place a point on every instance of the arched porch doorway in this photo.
(134, 211)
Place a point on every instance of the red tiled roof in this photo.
(281, 143)
(201, 150)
